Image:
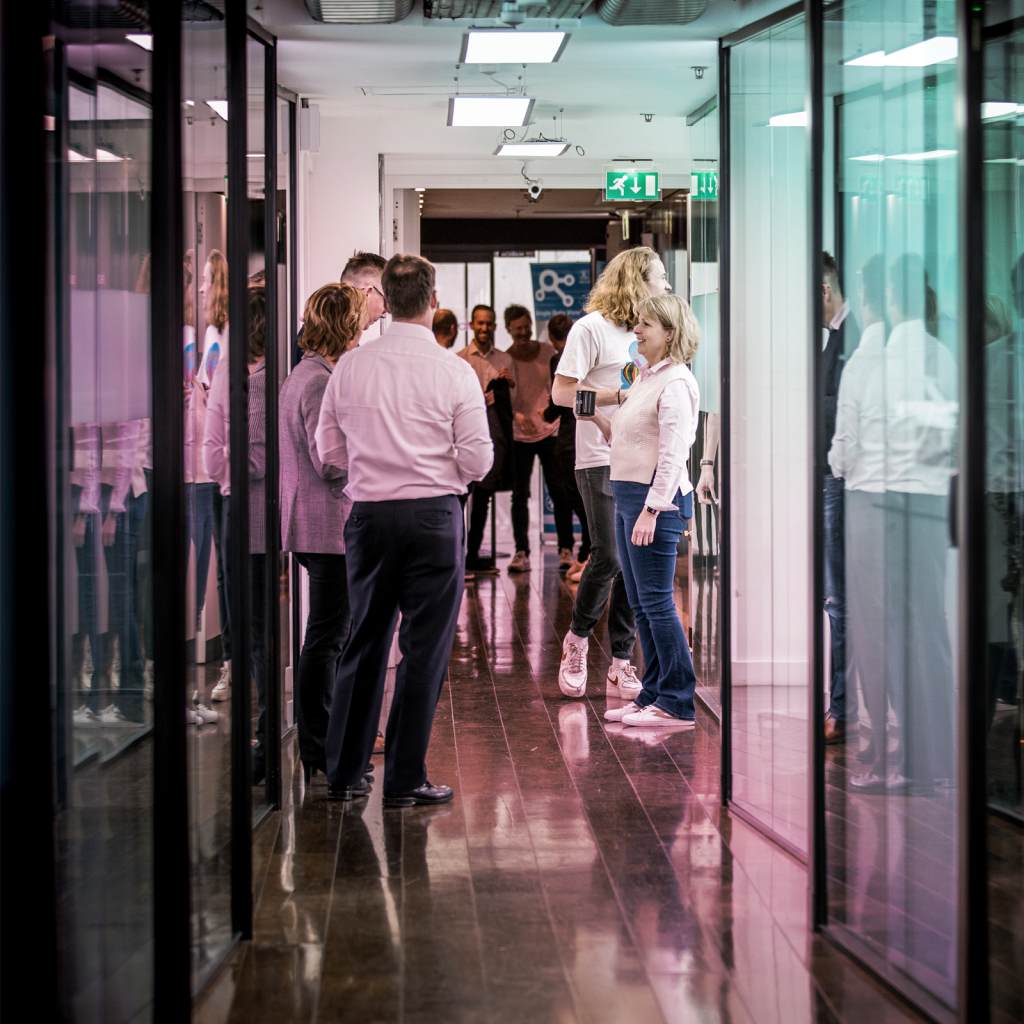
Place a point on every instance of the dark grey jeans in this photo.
(602, 574)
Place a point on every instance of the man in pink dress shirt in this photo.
(406, 420)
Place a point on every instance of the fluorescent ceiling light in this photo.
(220, 107)
(876, 59)
(507, 46)
(925, 53)
(931, 154)
(917, 55)
(143, 39)
(107, 156)
(796, 119)
(869, 158)
(989, 111)
(489, 111)
(254, 156)
(531, 149)
(74, 157)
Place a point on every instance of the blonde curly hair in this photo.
(334, 315)
(674, 314)
(622, 286)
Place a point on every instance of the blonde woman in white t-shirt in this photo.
(650, 440)
(596, 357)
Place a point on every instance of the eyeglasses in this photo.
(381, 294)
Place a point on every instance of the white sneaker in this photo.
(84, 718)
(222, 691)
(203, 714)
(110, 716)
(191, 718)
(622, 677)
(565, 558)
(147, 686)
(651, 715)
(521, 563)
(572, 673)
(617, 714)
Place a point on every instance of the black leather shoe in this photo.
(347, 793)
(425, 794)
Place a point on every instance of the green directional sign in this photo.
(704, 185)
(630, 185)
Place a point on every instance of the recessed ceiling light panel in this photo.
(531, 149)
(918, 55)
(508, 46)
(489, 111)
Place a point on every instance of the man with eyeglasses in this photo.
(363, 271)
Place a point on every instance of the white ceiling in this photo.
(401, 76)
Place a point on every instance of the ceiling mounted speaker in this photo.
(651, 12)
(358, 12)
(486, 9)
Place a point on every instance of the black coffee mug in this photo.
(586, 403)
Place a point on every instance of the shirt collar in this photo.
(406, 330)
(647, 371)
(474, 350)
(837, 321)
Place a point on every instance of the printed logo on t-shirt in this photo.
(212, 359)
(631, 371)
(190, 362)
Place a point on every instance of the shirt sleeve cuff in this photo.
(657, 501)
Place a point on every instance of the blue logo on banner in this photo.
(560, 288)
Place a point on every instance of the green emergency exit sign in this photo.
(704, 185)
(630, 185)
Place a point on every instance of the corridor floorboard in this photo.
(585, 871)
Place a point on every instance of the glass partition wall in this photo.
(768, 443)
(154, 813)
(871, 302)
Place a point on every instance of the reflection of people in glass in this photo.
(857, 456)
(1004, 433)
(919, 388)
(841, 335)
(314, 509)
(214, 290)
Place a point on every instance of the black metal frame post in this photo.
(26, 806)
(815, 105)
(972, 846)
(272, 589)
(240, 593)
(725, 440)
(171, 862)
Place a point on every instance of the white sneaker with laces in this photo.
(651, 715)
(617, 714)
(191, 718)
(572, 672)
(622, 677)
(84, 717)
(204, 714)
(222, 691)
(521, 563)
(110, 716)
(565, 558)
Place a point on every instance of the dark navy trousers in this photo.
(409, 557)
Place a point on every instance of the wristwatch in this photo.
(653, 511)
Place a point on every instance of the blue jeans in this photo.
(648, 572)
(199, 510)
(835, 591)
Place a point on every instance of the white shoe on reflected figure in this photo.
(572, 672)
(222, 691)
(622, 677)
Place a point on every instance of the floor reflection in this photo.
(584, 872)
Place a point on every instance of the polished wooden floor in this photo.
(584, 872)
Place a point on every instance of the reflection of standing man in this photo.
(490, 366)
(840, 335)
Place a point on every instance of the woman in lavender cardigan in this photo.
(314, 508)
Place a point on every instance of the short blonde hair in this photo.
(333, 316)
(622, 286)
(674, 314)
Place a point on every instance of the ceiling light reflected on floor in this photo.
(489, 111)
(507, 46)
